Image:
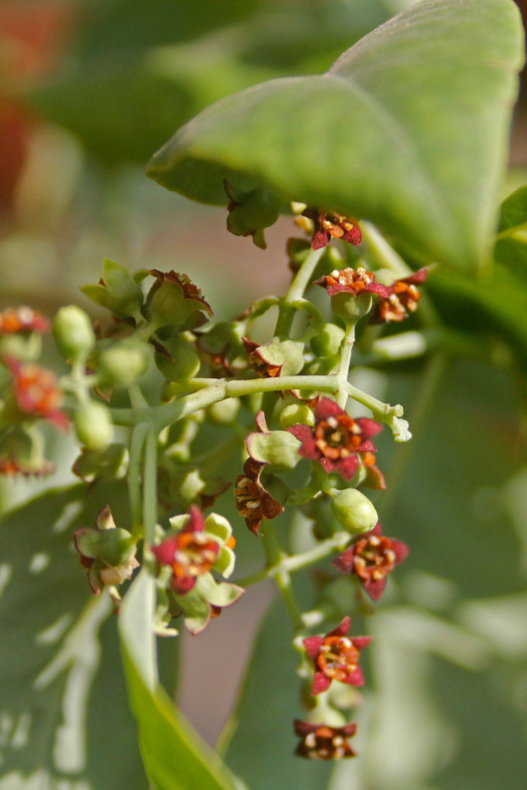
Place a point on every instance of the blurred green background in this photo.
(88, 91)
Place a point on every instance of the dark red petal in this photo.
(375, 589)
(360, 642)
(349, 730)
(379, 289)
(368, 427)
(320, 239)
(303, 728)
(344, 562)
(182, 586)
(377, 530)
(347, 466)
(320, 683)
(301, 432)
(165, 552)
(254, 523)
(366, 446)
(196, 523)
(326, 463)
(400, 550)
(270, 507)
(327, 408)
(353, 236)
(313, 645)
(309, 449)
(356, 678)
(338, 288)
(416, 278)
(342, 629)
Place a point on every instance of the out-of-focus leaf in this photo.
(125, 107)
(174, 756)
(261, 751)
(114, 25)
(408, 128)
(60, 716)
(511, 245)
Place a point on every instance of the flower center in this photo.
(338, 657)
(374, 558)
(338, 436)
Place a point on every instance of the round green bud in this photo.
(326, 343)
(354, 511)
(224, 412)
(295, 413)
(124, 362)
(93, 426)
(73, 332)
(350, 307)
(185, 363)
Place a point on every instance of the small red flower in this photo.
(402, 299)
(22, 319)
(372, 557)
(328, 226)
(190, 553)
(354, 282)
(254, 503)
(321, 742)
(336, 657)
(36, 391)
(336, 438)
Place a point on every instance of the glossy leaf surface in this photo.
(408, 129)
(174, 756)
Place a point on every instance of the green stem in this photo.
(296, 291)
(346, 350)
(289, 565)
(134, 477)
(150, 486)
(161, 416)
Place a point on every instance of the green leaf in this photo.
(174, 756)
(408, 129)
(62, 718)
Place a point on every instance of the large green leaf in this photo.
(59, 715)
(174, 756)
(408, 128)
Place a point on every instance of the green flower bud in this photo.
(354, 511)
(124, 362)
(93, 426)
(326, 343)
(73, 333)
(295, 413)
(278, 448)
(224, 412)
(185, 363)
(351, 307)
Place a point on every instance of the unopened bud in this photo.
(73, 332)
(224, 412)
(185, 363)
(124, 363)
(326, 343)
(354, 511)
(93, 425)
(295, 413)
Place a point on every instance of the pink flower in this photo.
(336, 438)
(336, 657)
(190, 553)
(401, 300)
(372, 557)
(328, 226)
(36, 391)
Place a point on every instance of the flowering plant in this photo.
(245, 459)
